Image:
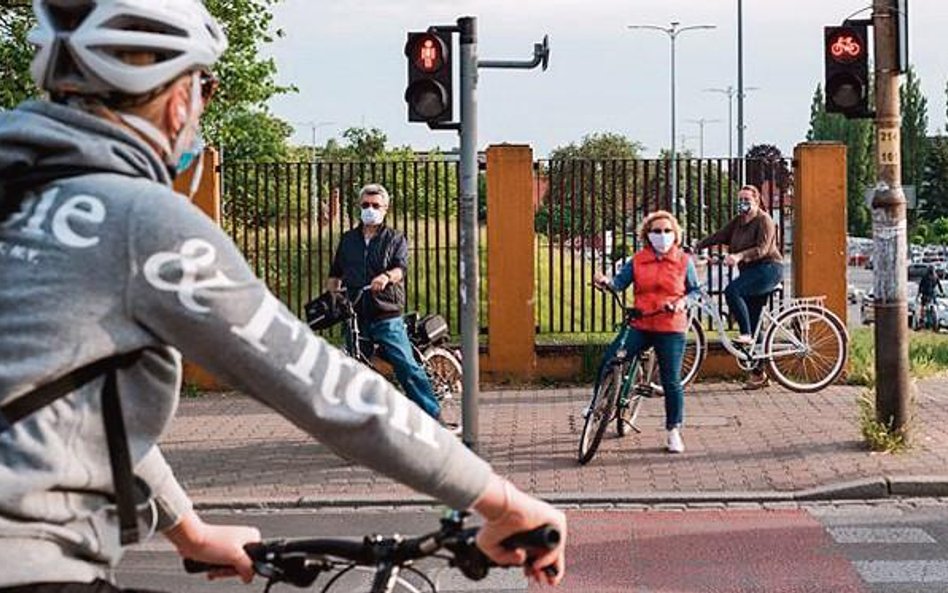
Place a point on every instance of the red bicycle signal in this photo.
(846, 46)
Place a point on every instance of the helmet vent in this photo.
(137, 23)
(68, 18)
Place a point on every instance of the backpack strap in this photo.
(120, 459)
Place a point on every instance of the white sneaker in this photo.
(744, 340)
(675, 444)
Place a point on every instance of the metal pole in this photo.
(469, 232)
(674, 173)
(740, 86)
(889, 230)
(730, 123)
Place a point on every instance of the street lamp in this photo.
(701, 123)
(673, 31)
(313, 125)
(730, 92)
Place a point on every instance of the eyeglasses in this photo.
(209, 84)
(372, 205)
(662, 231)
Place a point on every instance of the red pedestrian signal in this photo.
(846, 59)
(429, 90)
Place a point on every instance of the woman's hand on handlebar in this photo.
(215, 544)
(508, 511)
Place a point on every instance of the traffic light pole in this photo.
(470, 267)
(889, 229)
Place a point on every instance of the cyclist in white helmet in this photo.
(109, 277)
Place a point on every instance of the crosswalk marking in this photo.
(903, 571)
(880, 535)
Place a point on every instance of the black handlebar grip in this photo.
(196, 566)
(544, 537)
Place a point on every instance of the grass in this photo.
(880, 436)
(928, 355)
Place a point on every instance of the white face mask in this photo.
(662, 242)
(372, 216)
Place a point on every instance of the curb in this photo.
(925, 486)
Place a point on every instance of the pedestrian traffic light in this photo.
(429, 92)
(847, 70)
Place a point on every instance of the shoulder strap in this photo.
(120, 459)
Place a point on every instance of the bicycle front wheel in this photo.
(806, 349)
(599, 413)
(629, 404)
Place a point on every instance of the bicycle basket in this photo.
(327, 310)
(432, 328)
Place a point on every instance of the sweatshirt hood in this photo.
(42, 141)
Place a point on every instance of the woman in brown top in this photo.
(751, 241)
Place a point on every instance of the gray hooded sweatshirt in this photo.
(110, 260)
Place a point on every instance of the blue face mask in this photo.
(743, 207)
(190, 154)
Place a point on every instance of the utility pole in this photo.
(673, 31)
(740, 87)
(701, 121)
(889, 227)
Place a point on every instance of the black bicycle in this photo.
(380, 564)
(429, 342)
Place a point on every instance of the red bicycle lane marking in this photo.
(780, 551)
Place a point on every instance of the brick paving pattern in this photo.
(227, 448)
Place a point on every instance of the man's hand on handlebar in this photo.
(215, 544)
(508, 511)
(600, 280)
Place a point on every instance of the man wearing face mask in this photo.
(109, 277)
(661, 275)
(376, 255)
(751, 241)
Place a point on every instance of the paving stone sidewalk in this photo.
(229, 450)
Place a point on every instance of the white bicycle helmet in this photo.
(78, 44)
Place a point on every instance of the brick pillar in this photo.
(510, 263)
(819, 223)
(208, 199)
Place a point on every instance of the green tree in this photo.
(15, 55)
(933, 190)
(860, 174)
(914, 129)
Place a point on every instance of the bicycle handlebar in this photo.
(632, 312)
(300, 561)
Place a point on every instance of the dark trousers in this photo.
(747, 294)
(97, 586)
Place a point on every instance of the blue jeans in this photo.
(670, 349)
(395, 348)
(747, 294)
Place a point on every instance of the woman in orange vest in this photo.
(661, 275)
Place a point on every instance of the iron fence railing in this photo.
(588, 213)
(287, 219)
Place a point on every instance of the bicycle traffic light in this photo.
(429, 93)
(846, 55)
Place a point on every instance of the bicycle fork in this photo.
(628, 394)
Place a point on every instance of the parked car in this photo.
(867, 312)
(853, 294)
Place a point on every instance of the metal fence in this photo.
(287, 219)
(588, 213)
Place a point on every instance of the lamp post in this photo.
(673, 31)
(313, 125)
(730, 92)
(701, 123)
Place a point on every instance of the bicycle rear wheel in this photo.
(696, 348)
(599, 413)
(444, 371)
(806, 348)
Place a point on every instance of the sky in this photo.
(346, 57)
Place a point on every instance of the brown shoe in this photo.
(756, 381)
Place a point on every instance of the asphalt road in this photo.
(887, 547)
